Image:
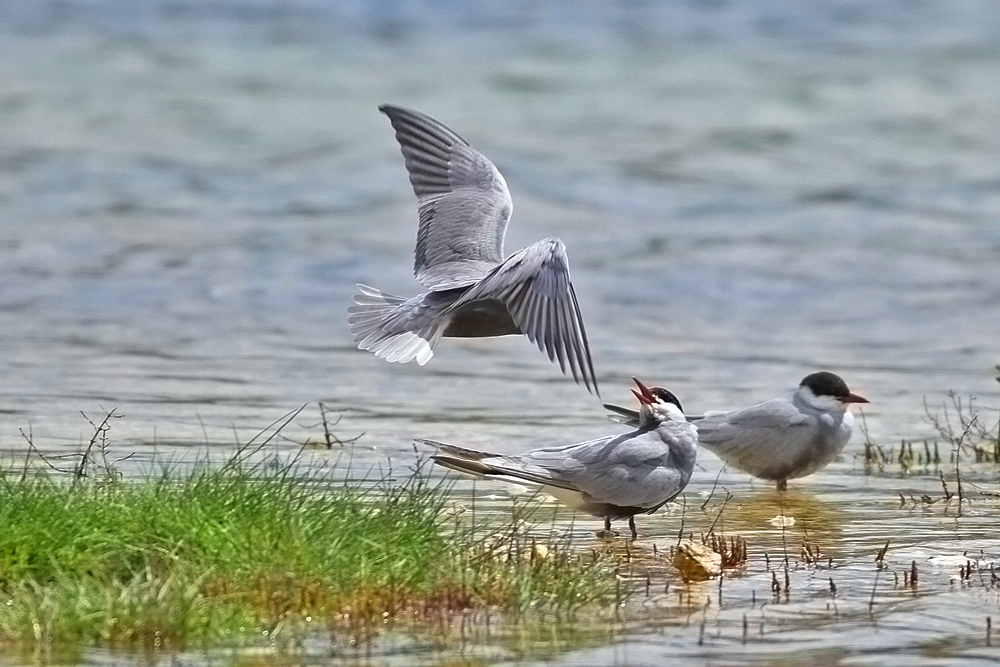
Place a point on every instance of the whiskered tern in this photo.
(779, 439)
(614, 477)
(473, 291)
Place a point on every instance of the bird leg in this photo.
(607, 533)
(631, 525)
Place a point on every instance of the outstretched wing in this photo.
(463, 202)
(535, 287)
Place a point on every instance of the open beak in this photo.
(644, 395)
(853, 398)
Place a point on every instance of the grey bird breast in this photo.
(476, 319)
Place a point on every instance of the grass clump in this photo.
(250, 550)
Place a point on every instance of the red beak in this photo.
(644, 395)
(853, 398)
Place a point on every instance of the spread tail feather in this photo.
(377, 328)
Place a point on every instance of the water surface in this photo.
(188, 193)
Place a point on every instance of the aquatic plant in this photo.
(968, 432)
(258, 547)
(967, 427)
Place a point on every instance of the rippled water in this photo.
(189, 191)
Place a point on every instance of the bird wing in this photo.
(757, 436)
(628, 470)
(485, 464)
(534, 285)
(630, 417)
(463, 202)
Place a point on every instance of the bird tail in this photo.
(510, 469)
(392, 327)
(469, 461)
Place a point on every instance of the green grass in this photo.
(220, 554)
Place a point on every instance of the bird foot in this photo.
(607, 534)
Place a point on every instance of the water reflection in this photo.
(806, 517)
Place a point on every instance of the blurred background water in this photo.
(749, 191)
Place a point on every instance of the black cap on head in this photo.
(666, 396)
(825, 383)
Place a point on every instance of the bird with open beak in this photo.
(613, 477)
(779, 439)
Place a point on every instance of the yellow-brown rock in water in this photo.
(697, 562)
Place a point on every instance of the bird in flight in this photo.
(473, 290)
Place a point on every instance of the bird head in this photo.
(827, 391)
(657, 404)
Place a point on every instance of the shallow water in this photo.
(188, 193)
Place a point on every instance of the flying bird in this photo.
(473, 290)
(614, 477)
(779, 439)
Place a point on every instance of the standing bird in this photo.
(474, 292)
(614, 477)
(779, 439)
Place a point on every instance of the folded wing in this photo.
(757, 436)
(484, 464)
(628, 470)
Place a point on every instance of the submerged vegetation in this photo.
(966, 432)
(263, 548)
(280, 549)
